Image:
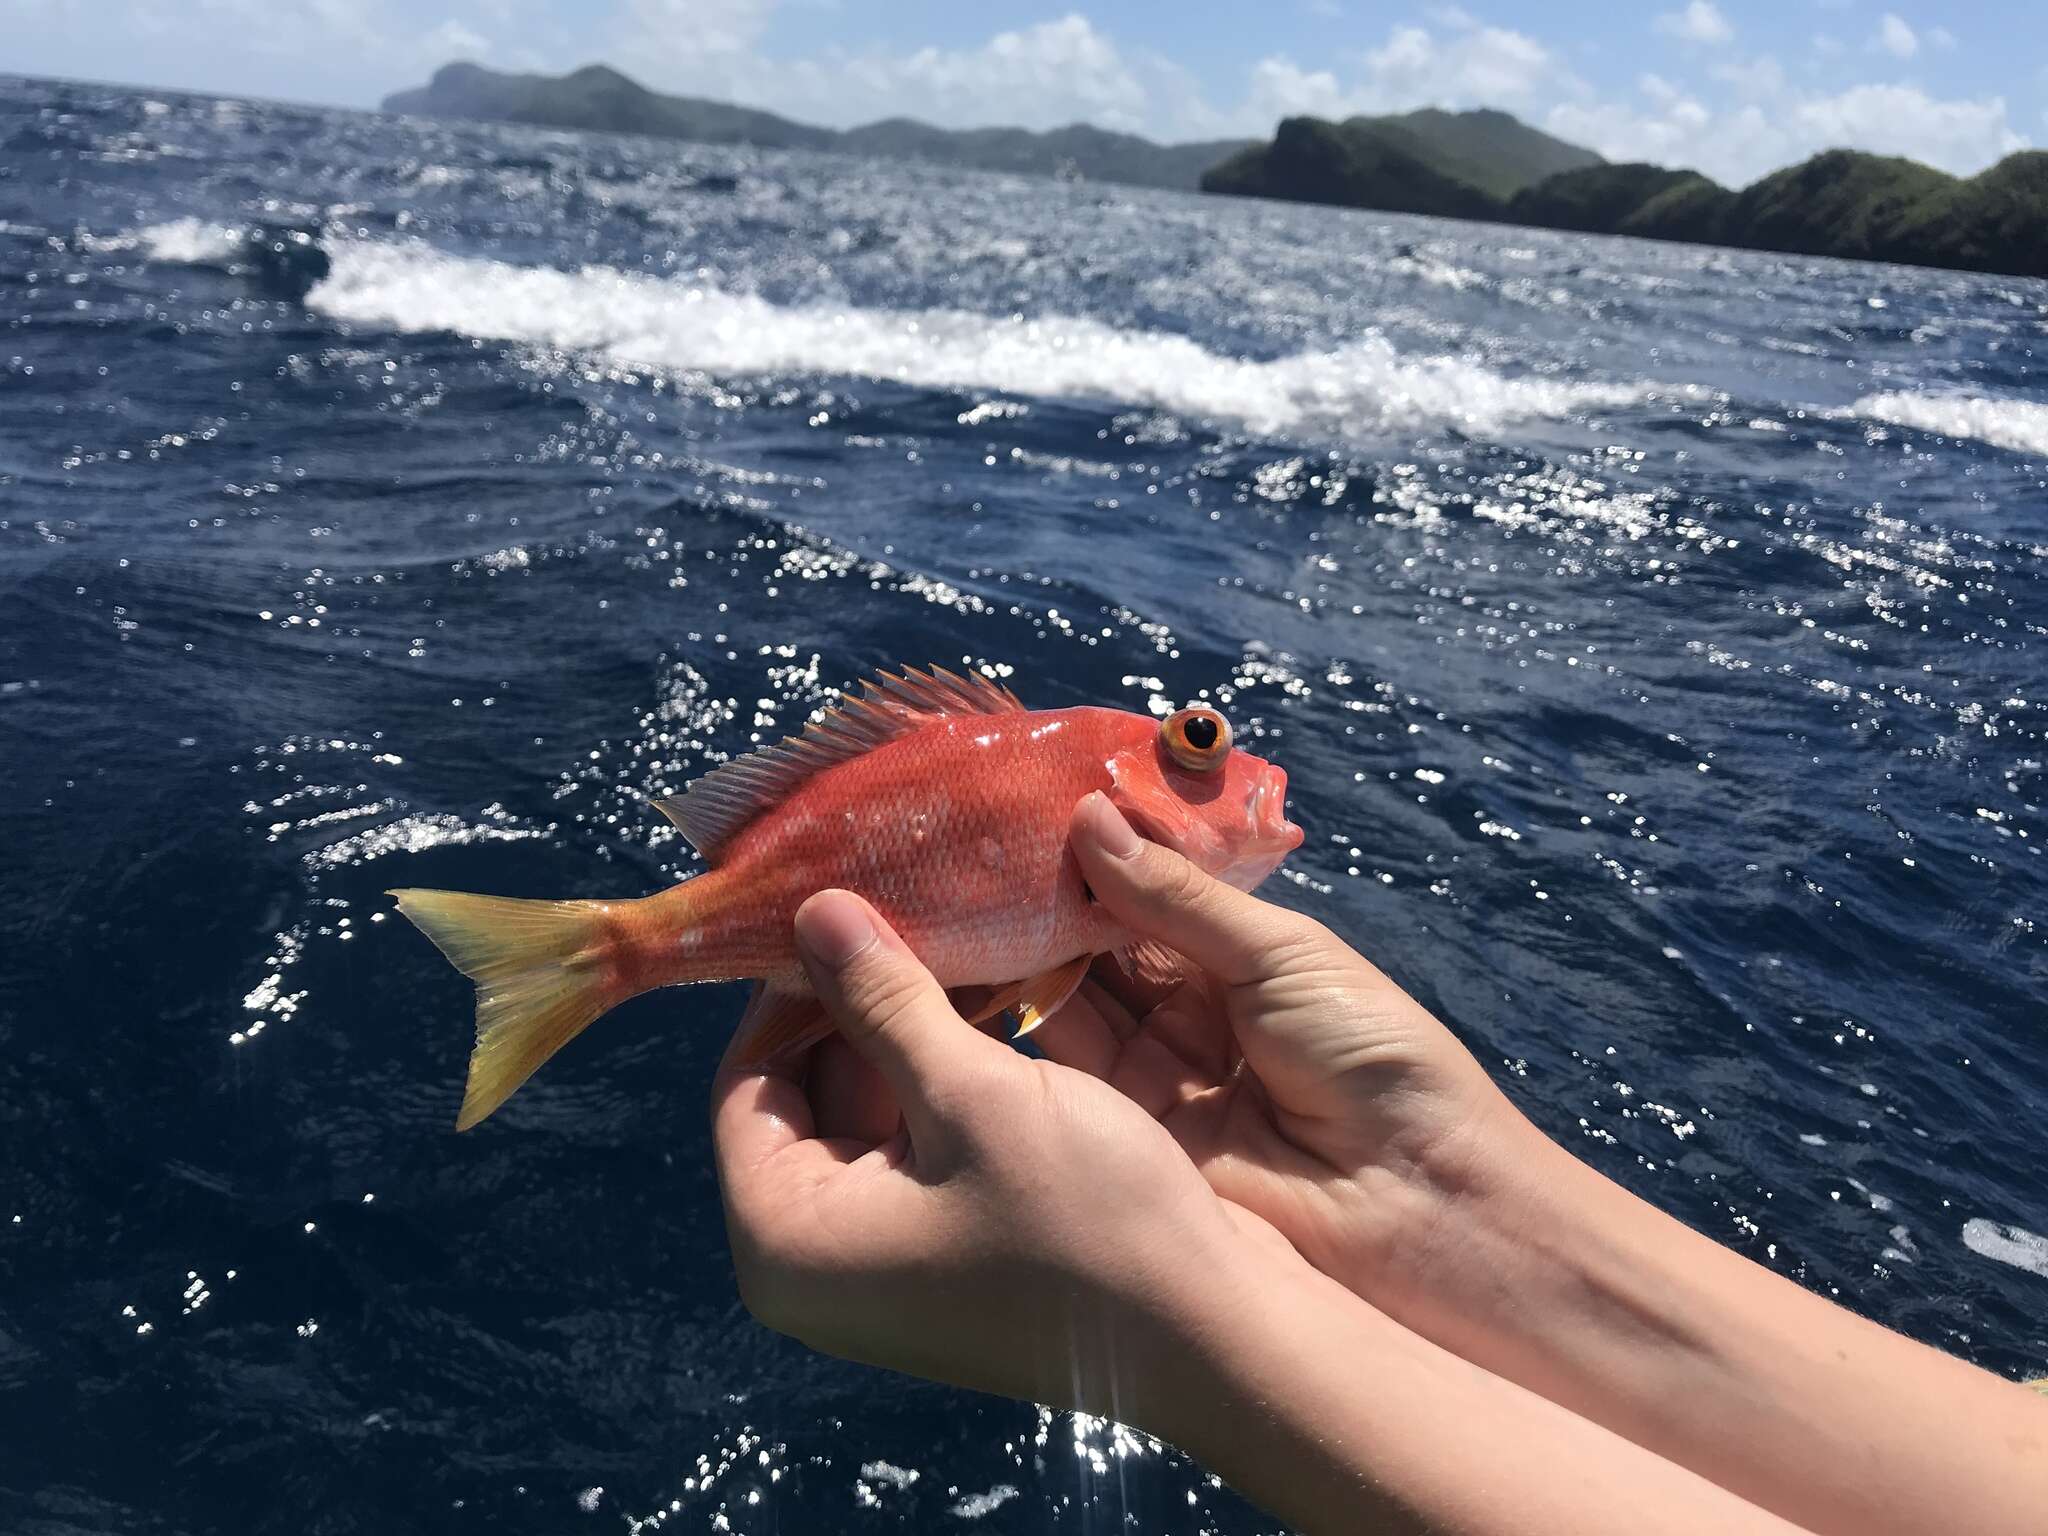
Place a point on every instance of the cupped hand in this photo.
(1307, 1087)
(920, 1196)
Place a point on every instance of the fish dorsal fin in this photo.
(711, 812)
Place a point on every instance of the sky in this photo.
(1736, 88)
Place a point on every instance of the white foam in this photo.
(976, 1506)
(2021, 425)
(886, 1472)
(440, 176)
(192, 242)
(2008, 1245)
(1438, 274)
(697, 327)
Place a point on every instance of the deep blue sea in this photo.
(1654, 636)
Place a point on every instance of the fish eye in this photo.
(1197, 738)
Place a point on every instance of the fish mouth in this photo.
(1266, 813)
(1269, 835)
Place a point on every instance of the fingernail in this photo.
(1111, 830)
(833, 927)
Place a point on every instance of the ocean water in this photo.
(1654, 636)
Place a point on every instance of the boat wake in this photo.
(1364, 387)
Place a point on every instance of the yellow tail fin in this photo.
(541, 972)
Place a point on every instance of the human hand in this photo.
(1360, 1116)
(1017, 1227)
(925, 1198)
(1313, 1092)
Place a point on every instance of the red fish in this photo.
(939, 798)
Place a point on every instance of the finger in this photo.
(1157, 894)
(1188, 1017)
(886, 1004)
(1132, 997)
(1193, 1024)
(1144, 1067)
(1153, 1076)
(1138, 1060)
(849, 1097)
(1123, 1017)
(1083, 1034)
(768, 1153)
(755, 1116)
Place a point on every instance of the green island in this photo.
(1483, 164)
(1838, 203)
(599, 97)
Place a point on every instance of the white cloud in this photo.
(452, 40)
(351, 51)
(1736, 145)
(1043, 76)
(1281, 88)
(1475, 65)
(1752, 79)
(1942, 38)
(1736, 121)
(1056, 72)
(1959, 136)
(1670, 133)
(1732, 116)
(380, 34)
(693, 37)
(1699, 22)
(1896, 38)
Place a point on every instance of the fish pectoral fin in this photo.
(1153, 964)
(1036, 998)
(1049, 994)
(1000, 1000)
(777, 1023)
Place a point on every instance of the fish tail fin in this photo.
(544, 970)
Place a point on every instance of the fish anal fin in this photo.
(714, 809)
(1036, 998)
(777, 1023)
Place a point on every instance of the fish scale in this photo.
(956, 833)
(939, 799)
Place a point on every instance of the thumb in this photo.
(885, 1003)
(1157, 893)
(1329, 1011)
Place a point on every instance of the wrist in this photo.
(1402, 1225)
(1233, 1345)
(1332, 1415)
(1528, 1262)
(1138, 1339)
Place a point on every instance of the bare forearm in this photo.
(1338, 1420)
(1568, 1284)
